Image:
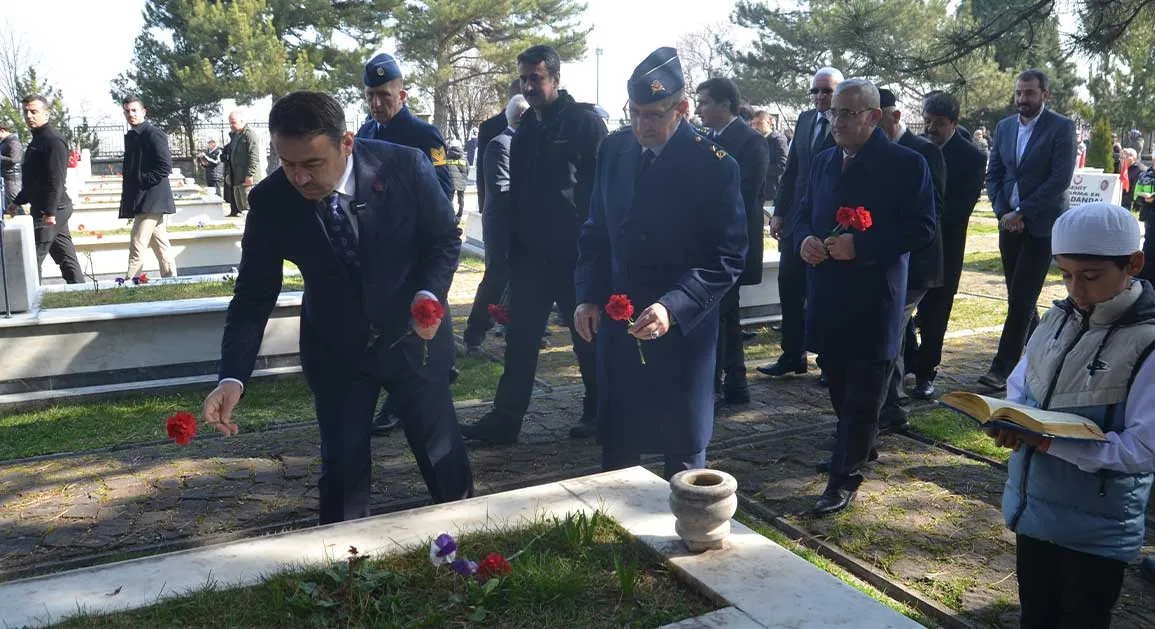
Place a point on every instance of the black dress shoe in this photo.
(832, 501)
(993, 380)
(923, 388)
(490, 429)
(384, 421)
(748, 336)
(736, 391)
(779, 369)
(822, 381)
(472, 350)
(892, 420)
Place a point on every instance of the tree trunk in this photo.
(440, 105)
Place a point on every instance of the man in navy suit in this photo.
(858, 278)
(1032, 161)
(718, 100)
(811, 137)
(666, 228)
(372, 232)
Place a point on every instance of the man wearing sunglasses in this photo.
(811, 136)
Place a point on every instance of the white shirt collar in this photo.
(719, 132)
(347, 184)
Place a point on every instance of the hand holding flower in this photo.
(427, 315)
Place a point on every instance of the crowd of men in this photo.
(670, 218)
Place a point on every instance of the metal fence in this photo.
(111, 138)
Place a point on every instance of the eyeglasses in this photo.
(649, 116)
(846, 113)
(823, 90)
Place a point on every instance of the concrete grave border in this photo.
(764, 584)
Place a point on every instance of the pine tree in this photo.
(79, 138)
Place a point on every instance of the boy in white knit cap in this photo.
(1077, 507)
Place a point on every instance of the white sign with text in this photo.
(1089, 186)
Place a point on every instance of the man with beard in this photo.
(551, 177)
(1032, 161)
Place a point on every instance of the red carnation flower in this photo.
(428, 312)
(80, 227)
(99, 235)
(494, 565)
(862, 220)
(144, 278)
(182, 427)
(845, 216)
(499, 314)
(620, 308)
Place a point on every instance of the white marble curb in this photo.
(765, 585)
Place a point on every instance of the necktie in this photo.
(820, 137)
(340, 232)
(647, 159)
(845, 161)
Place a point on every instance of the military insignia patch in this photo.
(719, 153)
(656, 87)
(380, 71)
(438, 156)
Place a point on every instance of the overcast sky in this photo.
(81, 45)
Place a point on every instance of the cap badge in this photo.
(380, 71)
(656, 87)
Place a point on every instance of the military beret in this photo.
(658, 76)
(380, 70)
(886, 98)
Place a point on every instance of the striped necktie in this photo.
(340, 230)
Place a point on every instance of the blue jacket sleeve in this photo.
(912, 229)
(1043, 198)
(258, 286)
(996, 174)
(592, 274)
(697, 293)
(439, 237)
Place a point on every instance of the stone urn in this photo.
(703, 501)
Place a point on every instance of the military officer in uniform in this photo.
(390, 120)
(667, 228)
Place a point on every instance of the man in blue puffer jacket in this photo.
(1078, 508)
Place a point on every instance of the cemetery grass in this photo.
(141, 418)
(991, 262)
(946, 426)
(150, 293)
(578, 571)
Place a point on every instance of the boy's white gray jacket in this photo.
(1089, 496)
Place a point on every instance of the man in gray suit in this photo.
(1032, 160)
(494, 226)
(811, 136)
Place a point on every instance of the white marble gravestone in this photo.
(19, 277)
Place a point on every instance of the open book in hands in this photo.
(990, 411)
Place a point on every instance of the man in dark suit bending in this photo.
(373, 233)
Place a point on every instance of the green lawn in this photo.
(573, 572)
(129, 294)
(949, 427)
(978, 227)
(970, 313)
(990, 262)
(98, 424)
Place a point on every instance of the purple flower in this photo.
(120, 281)
(442, 550)
(464, 567)
(201, 225)
(136, 281)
